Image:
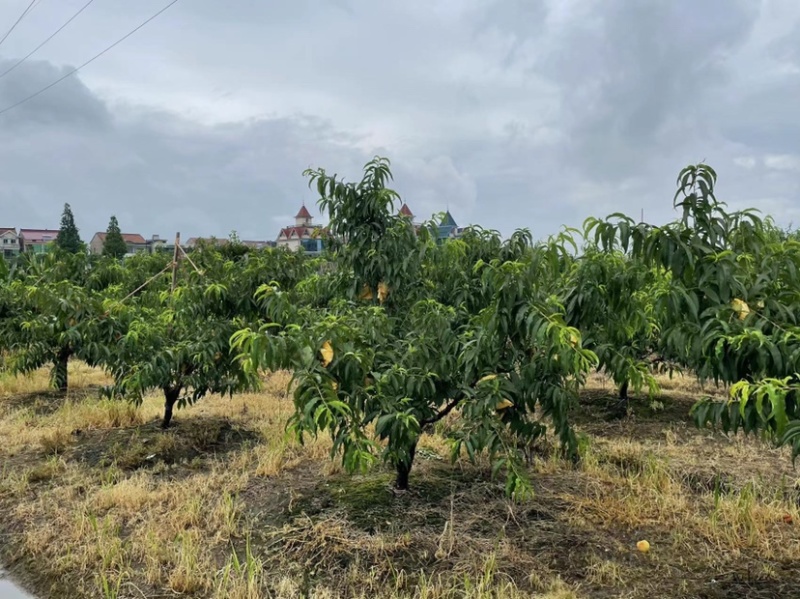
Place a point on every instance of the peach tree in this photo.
(613, 299)
(731, 315)
(54, 303)
(176, 340)
(404, 331)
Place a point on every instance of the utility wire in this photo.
(22, 16)
(36, 49)
(91, 60)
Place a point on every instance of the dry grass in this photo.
(98, 502)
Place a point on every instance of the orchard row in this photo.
(391, 331)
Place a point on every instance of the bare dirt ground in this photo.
(97, 501)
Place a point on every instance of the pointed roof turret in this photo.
(406, 211)
(304, 213)
(449, 221)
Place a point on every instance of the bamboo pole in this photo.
(175, 257)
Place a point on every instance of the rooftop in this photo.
(38, 235)
(128, 237)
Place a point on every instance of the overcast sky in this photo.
(512, 113)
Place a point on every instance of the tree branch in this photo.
(444, 412)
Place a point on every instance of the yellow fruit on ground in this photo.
(643, 546)
(327, 353)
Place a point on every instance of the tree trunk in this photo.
(403, 468)
(623, 391)
(171, 395)
(60, 373)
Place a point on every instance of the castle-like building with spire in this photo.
(447, 229)
(305, 234)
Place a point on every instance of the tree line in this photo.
(68, 239)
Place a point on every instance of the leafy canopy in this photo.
(176, 340)
(731, 313)
(403, 331)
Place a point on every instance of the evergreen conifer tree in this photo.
(68, 238)
(114, 244)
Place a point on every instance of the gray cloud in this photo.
(512, 114)
(73, 106)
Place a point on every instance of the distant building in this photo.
(447, 229)
(258, 245)
(135, 243)
(9, 242)
(37, 241)
(156, 244)
(304, 234)
(193, 242)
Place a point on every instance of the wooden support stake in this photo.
(175, 257)
(185, 255)
(145, 284)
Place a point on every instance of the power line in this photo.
(91, 60)
(36, 49)
(22, 16)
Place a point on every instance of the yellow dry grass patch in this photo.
(256, 514)
(81, 376)
(644, 487)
